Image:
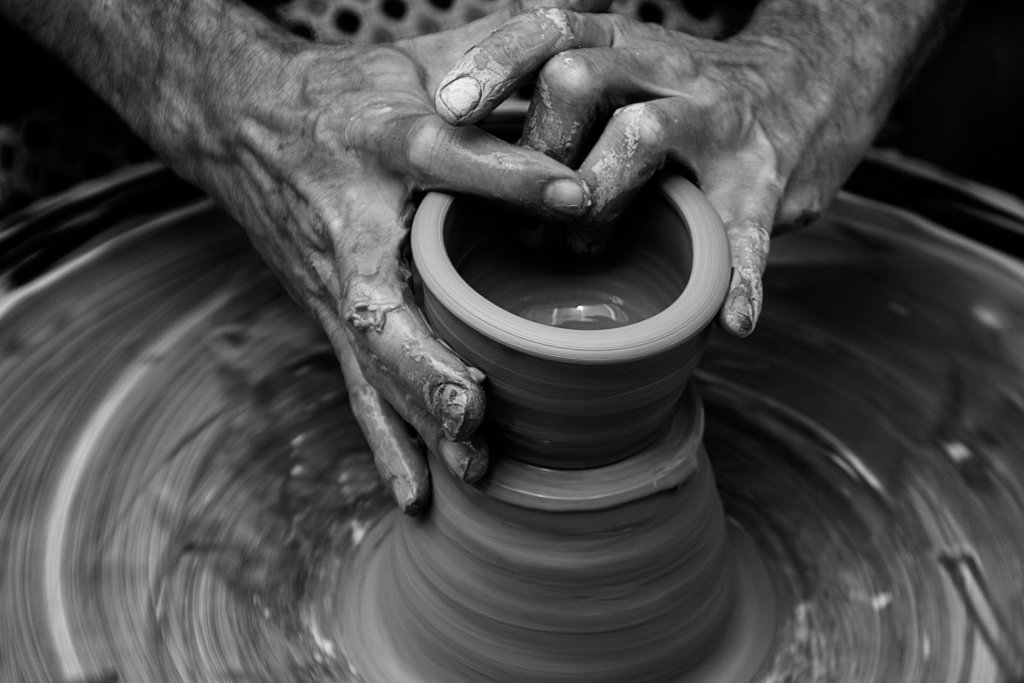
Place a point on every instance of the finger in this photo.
(631, 148)
(414, 371)
(487, 73)
(574, 95)
(467, 459)
(469, 160)
(578, 90)
(399, 460)
(567, 100)
(437, 52)
(749, 247)
(387, 332)
(747, 197)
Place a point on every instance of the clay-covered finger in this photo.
(374, 307)
(576, 91)
(568, 98)
(405, 362)
(427, 387)
(437, 52)
(467, 458)
(747, 200)
(494, 68)
(632, 147)
(400, 462)
(438, 156)
(748, 243)
(570, 95)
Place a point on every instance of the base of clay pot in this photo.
(545, 575)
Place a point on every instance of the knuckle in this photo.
(364, 397)
(356, 289)
(422, 140)
(725, 116)
(751, 232)
(558, 24)
(367, 301)
(750, 245)
(643, 125)
(570, 76)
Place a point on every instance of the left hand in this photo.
(769, 136)
(321, 152)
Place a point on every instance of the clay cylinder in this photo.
(598, 575)
(585, 357)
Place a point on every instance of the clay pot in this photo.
(586, 357)
(603, 574)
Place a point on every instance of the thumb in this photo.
(748, 244)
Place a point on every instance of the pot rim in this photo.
(682, 320)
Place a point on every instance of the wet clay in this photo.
(571, 580)
(183, 491)
(583, 555)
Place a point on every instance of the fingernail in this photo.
(406, 496)
(450, 403)
(739, 314)
(467, 461)
(461, 96)
(566, 197)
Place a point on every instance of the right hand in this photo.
(769, 133)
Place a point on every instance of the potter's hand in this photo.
(771, 122)
(327, 162)
(319, 152)
(328, 198)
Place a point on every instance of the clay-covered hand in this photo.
(321, 153)
(769, 132)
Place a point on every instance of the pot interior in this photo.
(644, 268)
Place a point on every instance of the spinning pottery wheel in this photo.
(596, 547)
(184, 496)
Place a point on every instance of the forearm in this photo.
(859, 54)
(156, 63)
